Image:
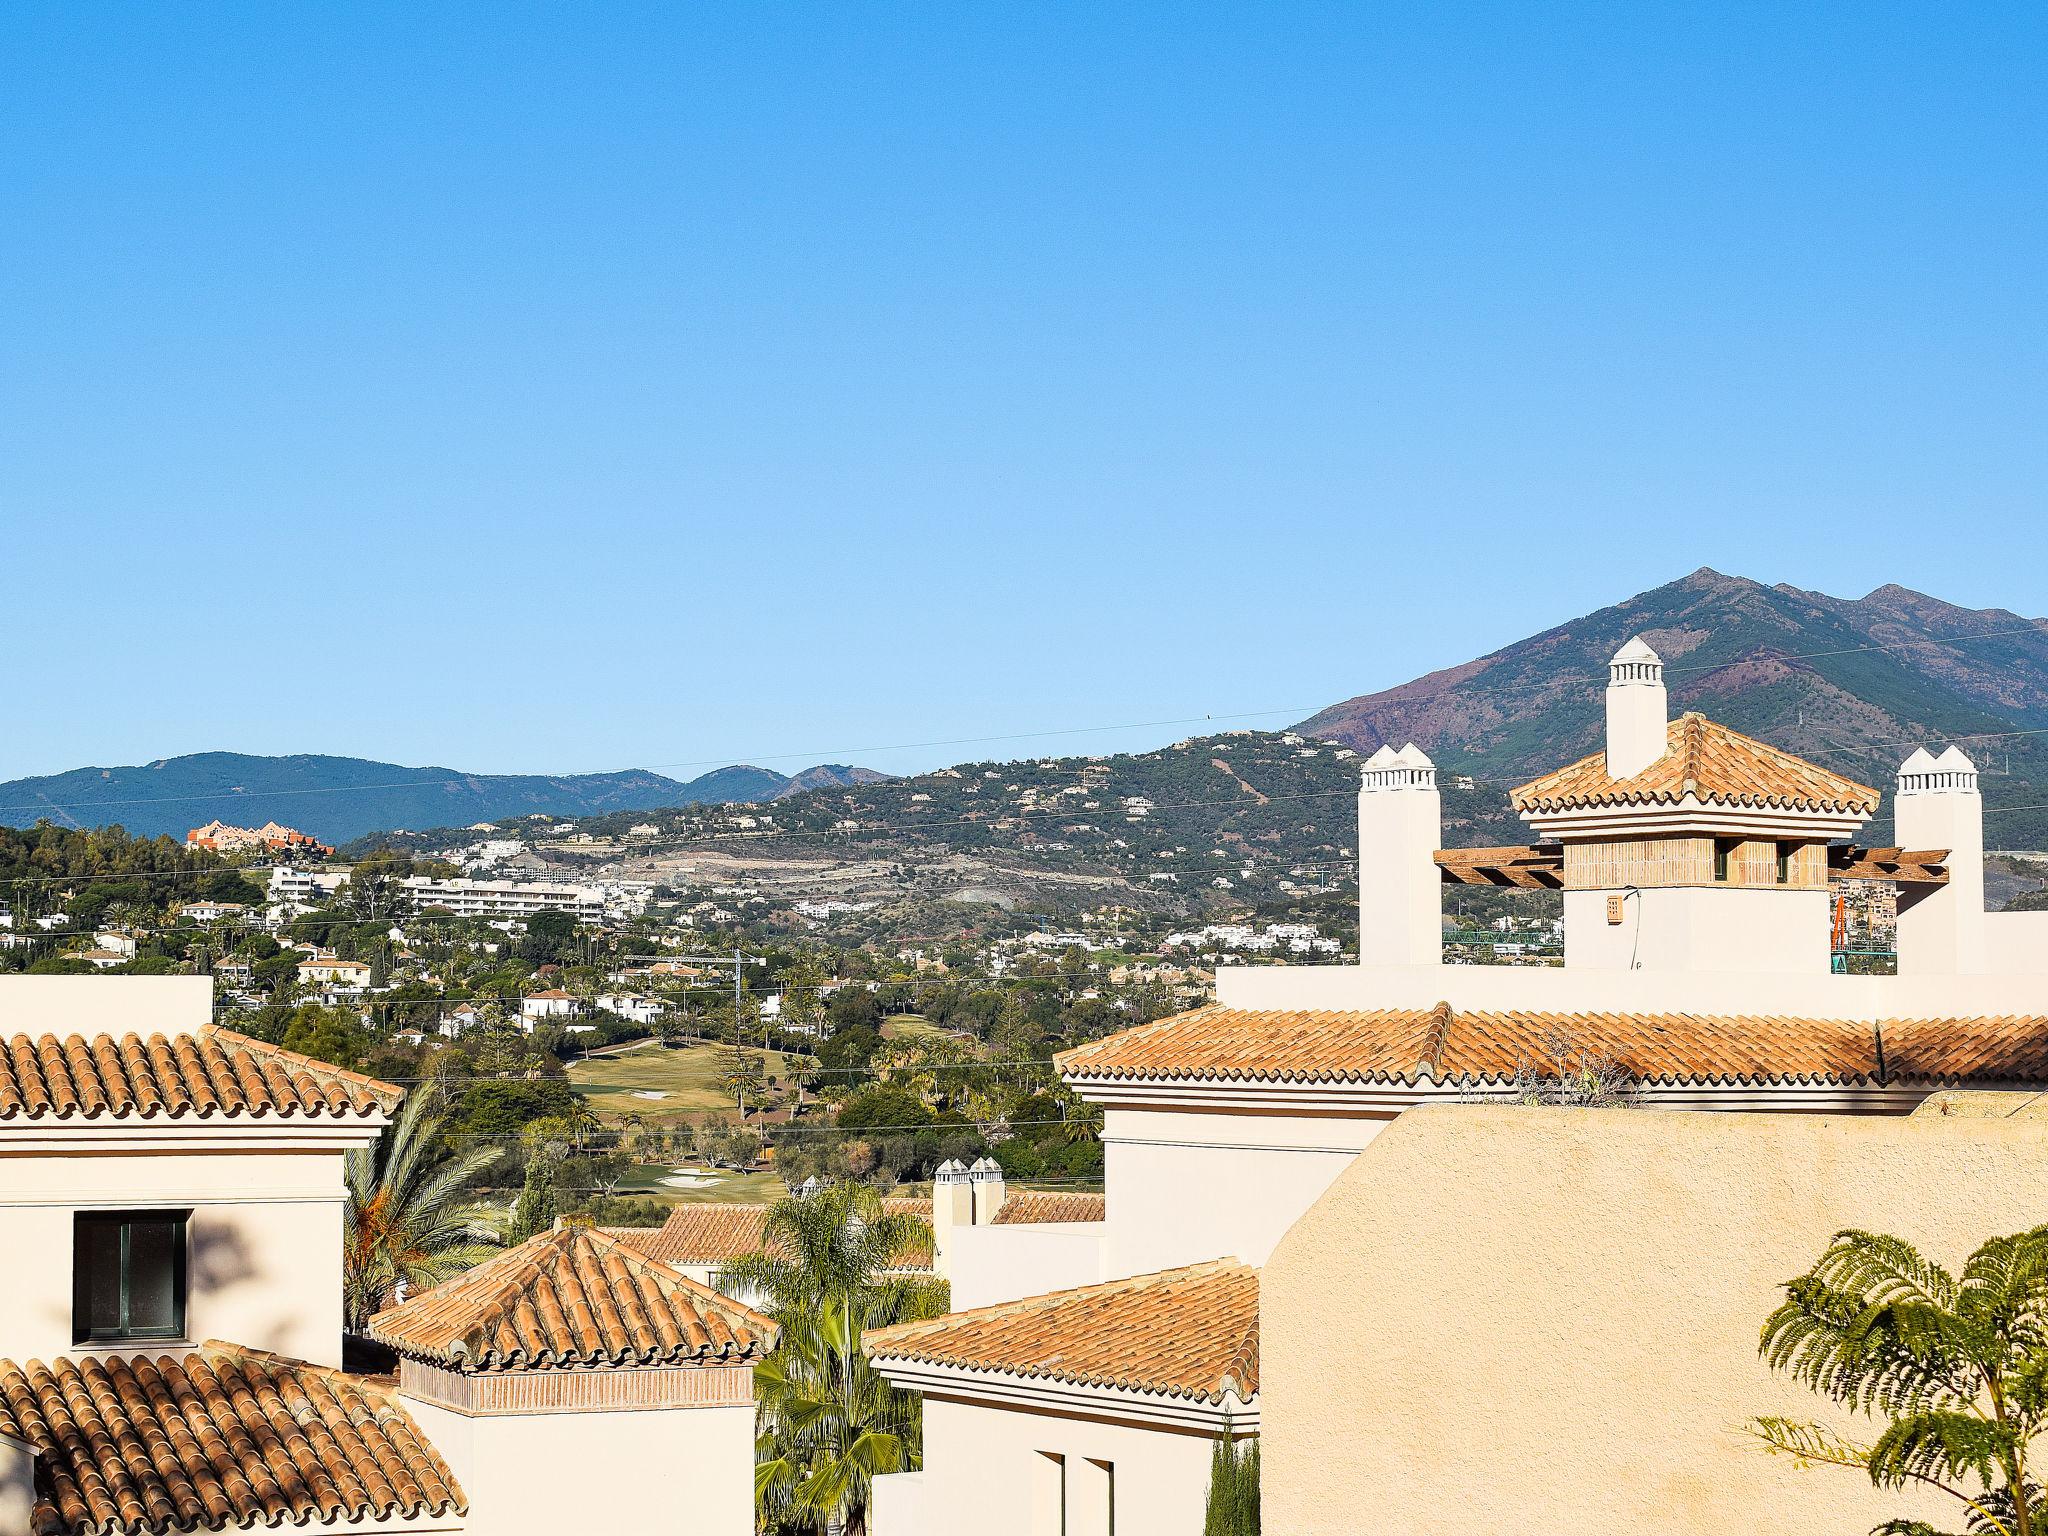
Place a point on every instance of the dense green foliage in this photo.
(829, 1424)
(1955, 1366)
(1233, 1507)
(407, 1219)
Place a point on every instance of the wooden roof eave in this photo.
(1536, 867)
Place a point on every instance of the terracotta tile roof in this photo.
(211, 1074)
(222, 1438)
(574, 1297)
(1027, 1206)
(1407, 1046)
(1191, 1333)
(699, 1232)
(1719, 766)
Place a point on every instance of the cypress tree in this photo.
(1233, 1489)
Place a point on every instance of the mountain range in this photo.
(340, 798)
(1853, 684)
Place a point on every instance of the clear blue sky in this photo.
(548, 388)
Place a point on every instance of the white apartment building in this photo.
(507, 898)
(1085, 1377)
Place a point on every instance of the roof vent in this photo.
(1409, 768)
(1949, 774)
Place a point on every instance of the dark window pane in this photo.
(152, 1276)
(99, 1276)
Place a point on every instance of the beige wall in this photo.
(993, 1264)
(265, 1257)
(1692, 928)
(1185, 1186)
(989, 1471)
(85, 1005)
(1547, 1320)
(653, 1472)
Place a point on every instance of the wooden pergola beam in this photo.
(1536, 868)
(1902, 866)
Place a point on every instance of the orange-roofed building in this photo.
(574, 1384)
(1696, 868)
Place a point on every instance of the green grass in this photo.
(731, 1188)
(688, 1076)
(911, 1026)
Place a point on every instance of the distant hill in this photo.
(341, 798)
(828, 776)
(1851, 683)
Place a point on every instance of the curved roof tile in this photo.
(1706, 760)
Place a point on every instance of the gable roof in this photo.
(1409, 1046)
(1708, 761)
(213, 1074)
(1025, 1207)
(220, 1438)
(574, 1297)
(699, 1232)
(1189, 1333)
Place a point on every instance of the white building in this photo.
(1085, 1377)
(553, 1003)
(502, 898)
(632, 1006)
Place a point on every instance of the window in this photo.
(1785, 851)
(1724, 851)
(128, 1275)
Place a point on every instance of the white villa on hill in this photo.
(171, 1199)
(1080, 1388)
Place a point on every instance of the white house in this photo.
(1084, 1377)
(171, 1199)
(550, 1003)
(632, 1006)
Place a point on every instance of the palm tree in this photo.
(1957, 1365)
(829, 1424)
(406, 1221)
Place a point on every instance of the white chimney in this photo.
(1636, 710)
(986, 1180)
(1400, 887)
(1938, 806)
(952, 1206)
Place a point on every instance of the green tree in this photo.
(828, 1423)
(1956, 1366)
(405, 1217)
(1233, 1507)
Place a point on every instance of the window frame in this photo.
(82, 1331)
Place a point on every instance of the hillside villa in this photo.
(1087, 1369)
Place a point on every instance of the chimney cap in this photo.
(1954, 761)
(1411, 756)
(1638, 650)
(1381, 758)
(1922, 761)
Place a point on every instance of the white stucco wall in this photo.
(1547, 1320)
(1573, 989)
(992, 1264)
(86, 1005)
(1700, 928)
(989, 1471)
(1185, 1187)
(265, 1244)
(651, 1472)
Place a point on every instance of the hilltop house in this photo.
(171, 1196)
(1081, 1382)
